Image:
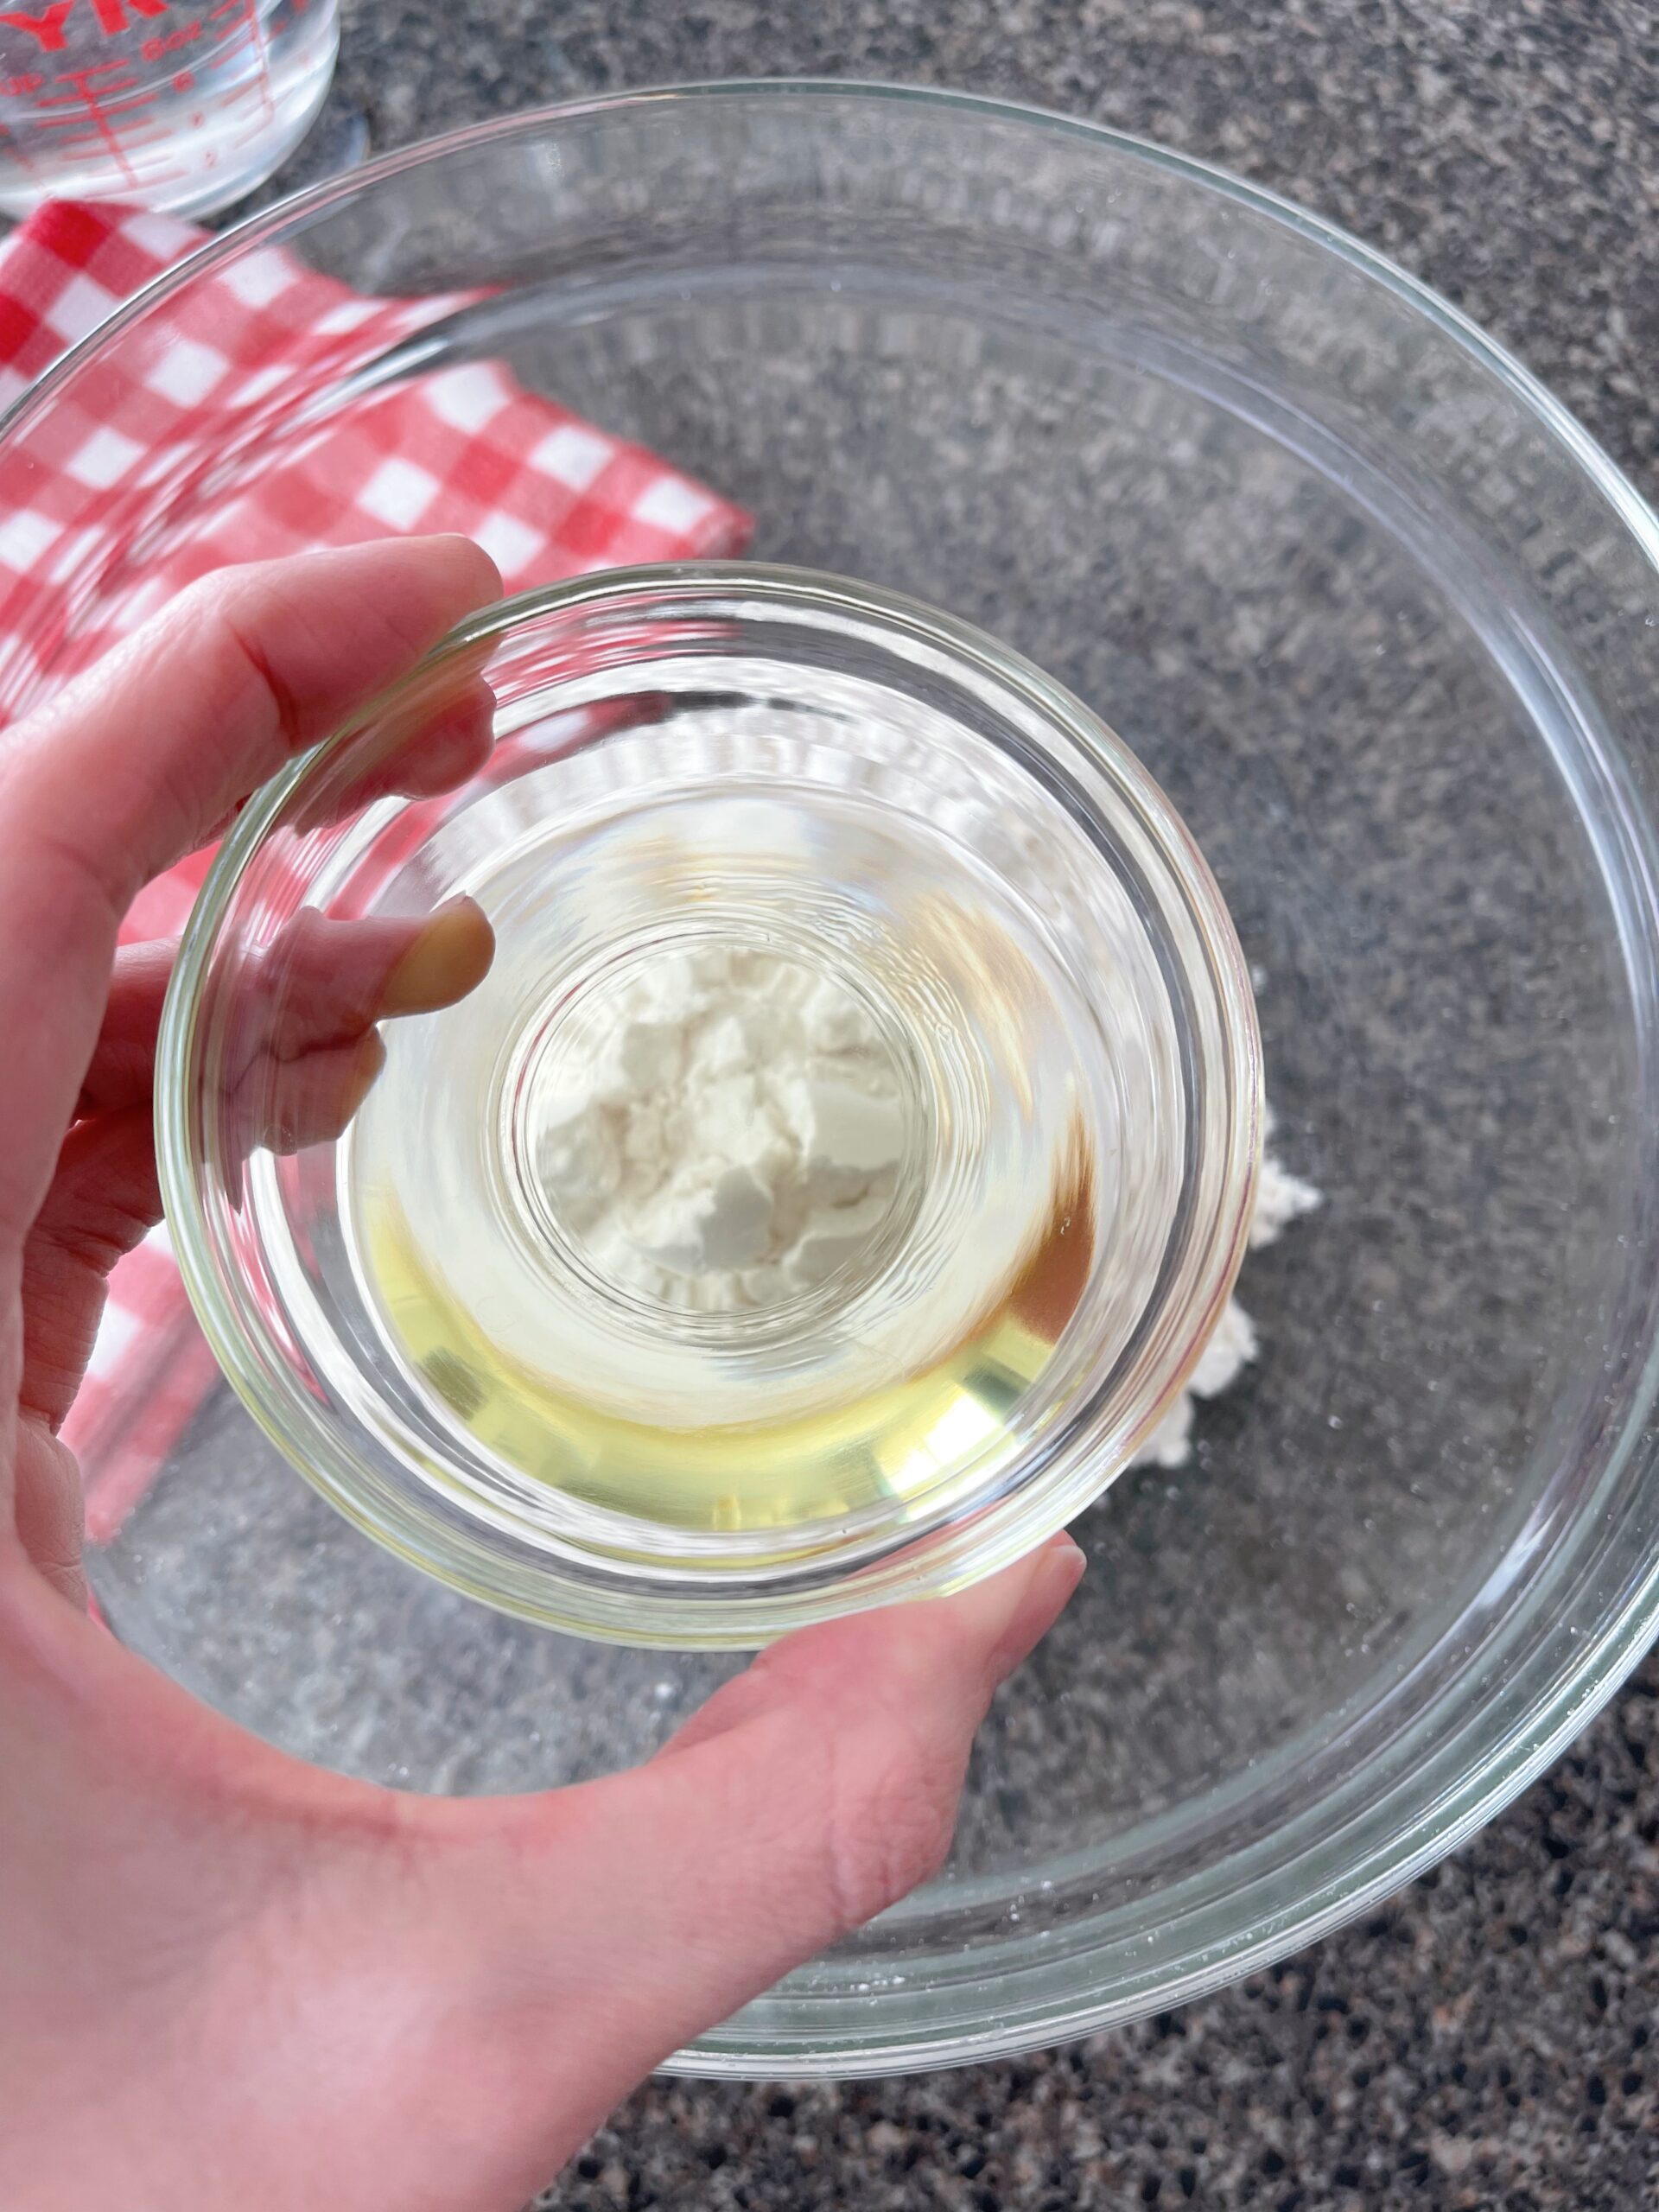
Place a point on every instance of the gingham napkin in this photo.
(110, 505)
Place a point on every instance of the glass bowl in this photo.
(1384, 623)
(701, 780)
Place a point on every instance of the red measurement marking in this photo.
(108, 102)
(77, 96)
(166, 42)
(89, 141)
(112, 14)
(18, 88)
(98, 113)
(243, 20)
(47, 27)
(93, 69)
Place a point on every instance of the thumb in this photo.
(611, 1922)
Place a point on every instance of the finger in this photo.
(133, 764)
(123, 1067)
(313, 1100)
(50, 1519)
(814, 1791)
(304, 1069)
(103, 1202)
(105, 1199)
(299, 1082)
(448, 740)
(435, 739)
(323, 983)
(435, 742)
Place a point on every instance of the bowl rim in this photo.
(1056, 2003)
(257, 229)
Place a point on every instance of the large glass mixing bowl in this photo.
(1384, 623)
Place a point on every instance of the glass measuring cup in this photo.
(174, 106)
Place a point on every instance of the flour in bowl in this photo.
(1280, 1199)
(731, 1137)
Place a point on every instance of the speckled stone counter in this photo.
(1485, 2040)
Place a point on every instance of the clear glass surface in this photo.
(1384, 623)
(744, 766)
(130, 100)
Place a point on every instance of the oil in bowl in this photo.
(741, 1194)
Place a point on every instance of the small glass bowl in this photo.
(615, 770)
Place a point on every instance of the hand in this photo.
(227, 1977)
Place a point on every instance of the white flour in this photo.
(730, 1137)
(1280, 1199)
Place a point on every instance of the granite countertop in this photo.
(1485, 2040)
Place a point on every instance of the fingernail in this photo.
(451, 956)
(460, 537)
(1054, 1572)
(1063, 1564)
(1003, 1616)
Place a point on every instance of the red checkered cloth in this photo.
(213, 432)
